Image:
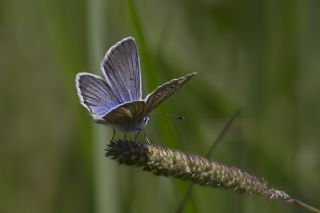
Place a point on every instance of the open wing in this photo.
(95, 94)
(121, 68)
(165, 91)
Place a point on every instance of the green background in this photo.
(260, 56)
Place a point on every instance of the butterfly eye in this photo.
(146, 120)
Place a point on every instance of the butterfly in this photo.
(116, 99)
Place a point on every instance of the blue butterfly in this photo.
(116, 99)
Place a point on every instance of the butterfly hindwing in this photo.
(126, 113)
(95, 94)
(165, 91)
(121, 67)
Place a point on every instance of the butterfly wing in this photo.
(126, 115)
(95, 94)
(121, 67)
(165, 91)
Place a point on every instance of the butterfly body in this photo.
(116, 99)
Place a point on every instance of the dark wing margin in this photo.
(165, 91)
(121, 67)
(95, 94)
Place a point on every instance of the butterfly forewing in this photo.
(165, 91)
(121, 68)
(95, 94)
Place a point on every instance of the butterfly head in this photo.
(140, 124)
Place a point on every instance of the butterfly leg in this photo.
(145, 137)
(137, 135)
(125, 136)
(113, 134)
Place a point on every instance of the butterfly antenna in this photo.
(168, 115)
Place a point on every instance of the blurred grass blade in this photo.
(105, 193)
